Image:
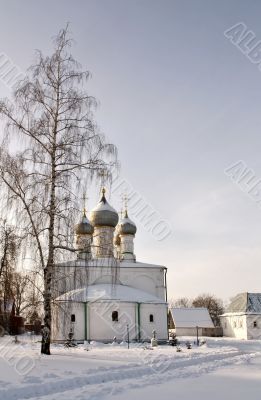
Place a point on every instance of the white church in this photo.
(105, 294)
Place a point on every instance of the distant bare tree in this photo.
(19, 291)
(9, 251)
(213, 304)
(180, 302)
(55, 145)
(26, 293)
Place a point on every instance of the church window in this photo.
(255, 324)
(73, 318)
(235, 324)
(151, 318)
(114, 316)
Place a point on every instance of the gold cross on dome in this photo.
(84, 199)
(125, 200)
(104, 176)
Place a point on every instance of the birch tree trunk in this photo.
(60, 148)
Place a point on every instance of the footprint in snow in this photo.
(32, 379)
(50, 375)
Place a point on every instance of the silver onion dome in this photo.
(84, 227)
(127, 226)
(104, 214)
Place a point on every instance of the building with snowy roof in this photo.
(243, 317)
(191, 321)
(105, 291)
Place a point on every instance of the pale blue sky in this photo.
(181, 103)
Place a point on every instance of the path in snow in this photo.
(109, 381)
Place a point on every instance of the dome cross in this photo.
(84, 199)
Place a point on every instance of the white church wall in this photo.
(103, 328)
(79, 325)
(99, 325)
(106, 279)
(62, 321)
(148, 279)
(143, 281)
(159, 324)
(69, 278)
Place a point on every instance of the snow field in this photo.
(106, 371)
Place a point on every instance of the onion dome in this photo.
(104, 214)
(84, 227)
(127, 226)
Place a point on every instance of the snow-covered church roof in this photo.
(107, 291)
(191, 317)
(245, 303)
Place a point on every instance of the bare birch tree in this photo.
(51, 144)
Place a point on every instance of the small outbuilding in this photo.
(242, 319)
(191, 321)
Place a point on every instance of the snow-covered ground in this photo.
(223, 368)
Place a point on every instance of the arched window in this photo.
(255, 324)
(114, 316)
(151, 318)
(73, 318)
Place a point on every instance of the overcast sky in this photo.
(182, 103)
